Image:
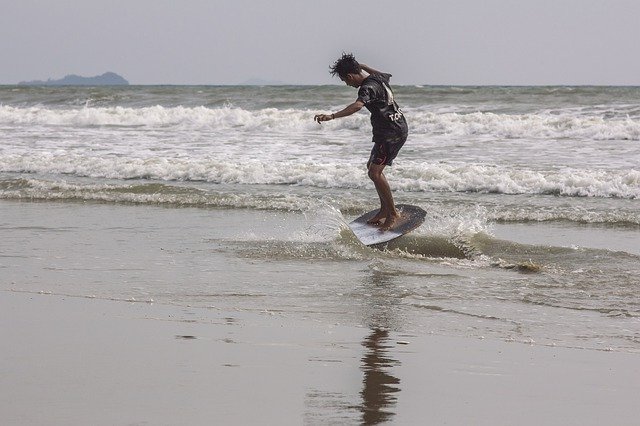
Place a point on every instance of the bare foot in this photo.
(377, 219)
(390, 221)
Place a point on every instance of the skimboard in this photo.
(411, 218)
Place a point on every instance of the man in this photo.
(389, 127)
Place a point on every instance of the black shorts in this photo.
(383, 153)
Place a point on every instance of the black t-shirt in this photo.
(387, 119)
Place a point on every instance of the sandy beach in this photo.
(74, 361)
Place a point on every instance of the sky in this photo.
(433, 42)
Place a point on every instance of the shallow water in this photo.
(310, 266)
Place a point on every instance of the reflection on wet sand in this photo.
(379, 386)
(379, 393)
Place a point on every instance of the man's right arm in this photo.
(370, 70)
(350, 109)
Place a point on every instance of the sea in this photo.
(232, 198)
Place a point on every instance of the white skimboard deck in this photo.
(411, 218)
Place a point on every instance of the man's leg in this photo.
(382, 213)
(387, 207)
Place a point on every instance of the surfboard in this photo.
(411, 218)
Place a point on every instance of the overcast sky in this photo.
(463, 42)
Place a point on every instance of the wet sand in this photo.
(74, 361)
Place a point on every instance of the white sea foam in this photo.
(410, 176)
(541, 125)
(509, 180)
(182, 117)
(526, 125)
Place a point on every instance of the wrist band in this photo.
(333, 116)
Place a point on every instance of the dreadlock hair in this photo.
(347, 64)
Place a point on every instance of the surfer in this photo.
(389, 127)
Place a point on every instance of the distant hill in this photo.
(106, 79)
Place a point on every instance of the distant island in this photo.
(106, 79)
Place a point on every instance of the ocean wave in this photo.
(564, 213)
(196, 118)
(514, 126)
(506, 180)
(147, 194)
(409, 177)
(464, 220)
(556, 125)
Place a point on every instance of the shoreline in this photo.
(69, 360)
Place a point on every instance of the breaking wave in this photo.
(560, 125)
(410, 177)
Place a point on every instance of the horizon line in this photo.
(418, 85)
